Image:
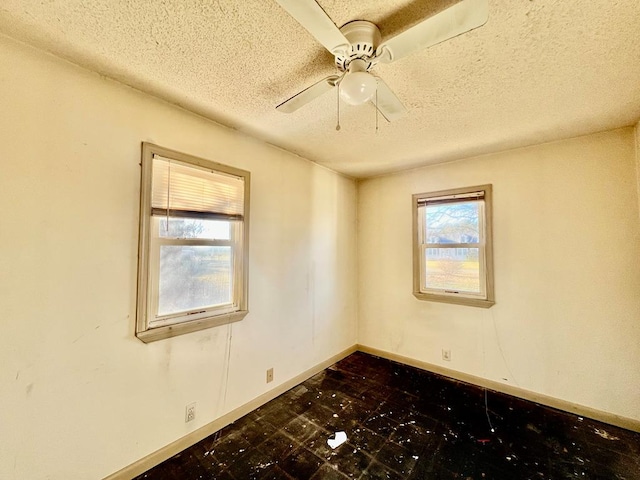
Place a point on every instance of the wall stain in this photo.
(29, 388)
(167, 350)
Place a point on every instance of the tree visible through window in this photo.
(452, 251)
(194, 276)
(450, 266)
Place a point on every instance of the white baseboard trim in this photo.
(159, 456)
(583, 411)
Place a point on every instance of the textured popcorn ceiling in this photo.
(539, 70)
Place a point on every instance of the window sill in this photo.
(160, 333)
(470, 302)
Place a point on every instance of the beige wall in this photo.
(567, 272)
(80, 396)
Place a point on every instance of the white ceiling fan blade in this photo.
(308, 94)
(460, 18)
(314, 19)
(387, 103)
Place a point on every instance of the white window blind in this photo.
(188, 191)
(462, 197)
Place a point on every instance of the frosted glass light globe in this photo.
(357, 88)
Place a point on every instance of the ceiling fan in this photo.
(358, 49)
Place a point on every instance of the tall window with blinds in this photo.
(452, 246)
(193, 244)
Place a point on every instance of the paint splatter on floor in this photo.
(605, 434)
(406, 424)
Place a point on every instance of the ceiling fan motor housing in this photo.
(363, 37)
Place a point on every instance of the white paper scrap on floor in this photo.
(340, 438)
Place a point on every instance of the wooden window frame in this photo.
(485, 247)
(148, 327)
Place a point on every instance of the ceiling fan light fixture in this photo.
(357, 48)
(357, 88)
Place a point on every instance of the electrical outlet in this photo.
(190, 412)
(270, 375)
(446, 355)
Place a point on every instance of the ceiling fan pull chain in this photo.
(338, 97)
(377, 106)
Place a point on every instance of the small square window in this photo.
(192, 271)
(452, 246)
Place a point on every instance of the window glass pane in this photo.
(193, 277)
(455, 269)
(194, 228)
(452, 223)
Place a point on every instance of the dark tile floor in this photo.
(404, 423)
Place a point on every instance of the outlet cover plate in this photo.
(190, 412)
